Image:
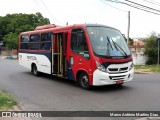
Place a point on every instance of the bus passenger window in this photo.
(79, 43)
(35, 42)
(46, 41)
(24, 43)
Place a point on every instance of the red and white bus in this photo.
(90, 54)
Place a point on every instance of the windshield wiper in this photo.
(116, 45)
(108, 46)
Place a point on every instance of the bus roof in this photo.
(52, 27)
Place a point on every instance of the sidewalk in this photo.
(142, 71)
(10, 57)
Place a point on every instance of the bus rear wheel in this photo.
(84, 81)
(35, 71)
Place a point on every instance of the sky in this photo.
(59, 12)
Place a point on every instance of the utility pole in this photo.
(158, 52)
(158, 44)
(128, 27)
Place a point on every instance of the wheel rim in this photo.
(84, 81)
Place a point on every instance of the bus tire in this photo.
(84, 81)
(35, 71)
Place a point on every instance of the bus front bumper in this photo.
(103, 78)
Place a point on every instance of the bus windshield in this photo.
(108, 42)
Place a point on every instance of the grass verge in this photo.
(147, 68)
(7, 101)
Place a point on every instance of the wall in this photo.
(8, 52)
(139, 59)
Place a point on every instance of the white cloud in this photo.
(86, 11)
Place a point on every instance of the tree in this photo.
(12, 25)
(151, 48)
(130, 41)
(11, 41)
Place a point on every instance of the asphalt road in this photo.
(54, 94)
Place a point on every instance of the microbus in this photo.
(89, 54)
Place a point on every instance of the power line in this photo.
(112, 6)
(154, 3)
(50, 12)
(137, 7)
(140, 7)
(143, 5)
(39, 6)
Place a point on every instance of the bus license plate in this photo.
(119, 82)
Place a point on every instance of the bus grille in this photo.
(121, 77)
(118, 70)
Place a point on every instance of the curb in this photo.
(143, 72)
(9, 57)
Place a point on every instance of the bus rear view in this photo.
(89, 54)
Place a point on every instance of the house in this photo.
(137, 50)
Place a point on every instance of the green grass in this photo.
(6, 100)
(147, 68)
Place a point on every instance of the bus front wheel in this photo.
(84, 81)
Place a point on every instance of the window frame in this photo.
(24, 42)
(80, 52)
(34, 42)
(51, 37)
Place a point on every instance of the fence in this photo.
(6, 52)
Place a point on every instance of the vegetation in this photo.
(6, 100)
(147, 68)
(12, 24)
(130, 41)
(11, 40)
(151, 49)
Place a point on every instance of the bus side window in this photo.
(35, 42)
(74, 43)
(82, 43)
(24, 42)
(46, 41)
(79, 43)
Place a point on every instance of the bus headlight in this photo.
(131, 66)
(100, 67)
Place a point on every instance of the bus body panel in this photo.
(42, 62)
(105, 78)
(80, 64)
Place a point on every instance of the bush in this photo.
(11, 41)
(151, 49)
(6, 100)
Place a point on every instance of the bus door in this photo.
(58, 54)
(79, 56)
